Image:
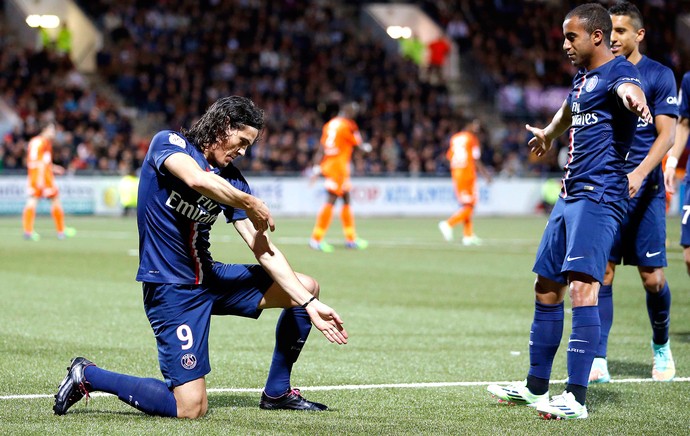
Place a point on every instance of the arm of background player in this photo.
(185, 168)
(276, 265)
(666, 131)
(543, 138)
(682, 133)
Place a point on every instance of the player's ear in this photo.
(640, 35)
(597, 37)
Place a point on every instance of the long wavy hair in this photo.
(232, 112)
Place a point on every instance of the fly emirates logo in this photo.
(578, 119)
(204, 210)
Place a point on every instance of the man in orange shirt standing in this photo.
(42, 184)
(464, 153)
(339, 138)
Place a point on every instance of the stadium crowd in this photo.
(297, 60)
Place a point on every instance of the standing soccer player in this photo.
(681, 141)
(41, 184)
(641, 239)
(339, 138)
(601, 110)
(187, 179)
(464, 155)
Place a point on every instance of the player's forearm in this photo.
(277, 266)
(654, 157)
(680, 141)
(666, 132)
(559, 124)
(218, 189)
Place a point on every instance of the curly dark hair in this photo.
(594, 17)
(234, 112)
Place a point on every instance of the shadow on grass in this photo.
(623, 369)
(85, 411)
(681, 337)
(599, 395)
(229, 400)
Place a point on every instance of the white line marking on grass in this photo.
(359, 387)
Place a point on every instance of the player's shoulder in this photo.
(36, 141)
(655, 68)
(621, 66)
(169, 137)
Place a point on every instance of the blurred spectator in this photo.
(438, 50)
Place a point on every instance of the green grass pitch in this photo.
(431, 324)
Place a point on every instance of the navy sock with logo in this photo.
(659, 310)
(149, 395)
(545, 337)
(583, 343)
(292, 331)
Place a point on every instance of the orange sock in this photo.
(460, 216)
(348, 219)
(468, 230)
(28, 218)
(59, 217)
(323, 221)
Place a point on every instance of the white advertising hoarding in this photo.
(295, 196)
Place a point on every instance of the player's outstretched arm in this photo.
(216, 188)
(543, 138)
(634, 100)
(681, 139)
(275, 263)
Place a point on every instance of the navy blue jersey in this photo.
(659, 86)
(174, 220)
(684, 111)
(601, 133)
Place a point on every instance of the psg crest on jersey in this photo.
(188, 361)
(592, 83)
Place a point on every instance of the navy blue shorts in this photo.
(685, 218)
(180, 315)
(578, 238)
(641, 238)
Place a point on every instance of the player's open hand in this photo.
(260, 216)
(639, 107)
(327, 321)
(539, 145)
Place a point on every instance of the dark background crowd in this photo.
(167, 61)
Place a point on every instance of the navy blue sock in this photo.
(583, 343)
(659, 310)
(545, 337)
(149, 395)
(291, 334)
(606, 316)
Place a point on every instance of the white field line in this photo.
(360, 387)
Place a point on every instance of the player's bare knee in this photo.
(583, 294)
(192, 409)
(310, 284)
(653, 281)
(547, 291)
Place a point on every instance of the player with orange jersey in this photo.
(339, 138)
(464, 153)
(41, 184)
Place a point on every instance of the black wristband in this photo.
(304, 306)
